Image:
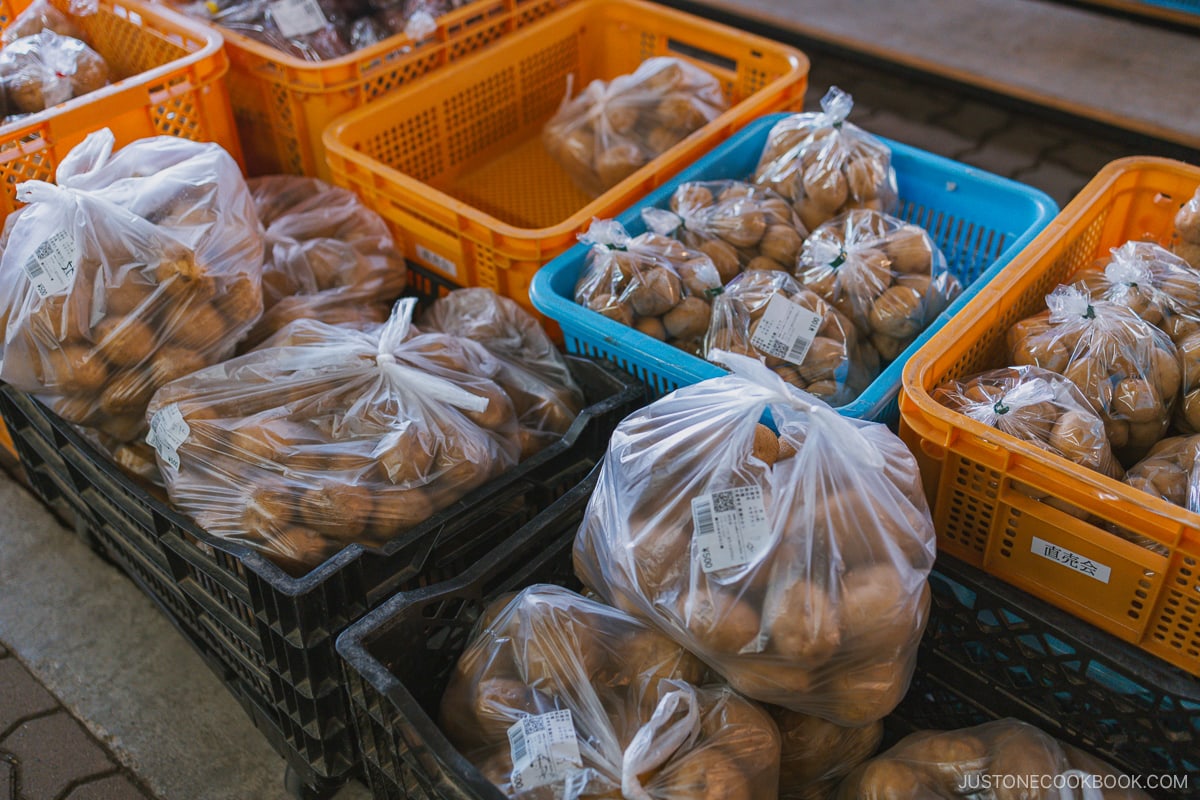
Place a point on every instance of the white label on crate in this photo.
(441, 262)
(168, 430)
(731, 527)
(786, 330)
(52, 266)
(1071, 560)
(544, 749)
(297, 17)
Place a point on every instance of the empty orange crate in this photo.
(283, 103)
(170, 70)
(969, 469)
(456, 164)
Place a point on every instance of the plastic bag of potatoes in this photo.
(40, 16)
(1006, 759)
(42, 70)
(137, 268)
(1037, 406)
(612, 128)
(740, 226)
(816, 754)
(886, 275)
(1187, 231)
(824, 164)
(649, 282)
(559, 696)
(794, 564)
(1127, 369)
(531, 371)
(328, 256)
(345, 436)
(1157, 285)
(1170, 471)
(766, 314)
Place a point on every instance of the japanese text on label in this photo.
(544, 749)
(731, 527)
(1071, 560)
(786, 330)
(297, 17)
(168, 430)
(51, 268)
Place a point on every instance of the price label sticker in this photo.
(786, 330)
(544, 749)
(168, 430)
(51, 267)
(731, 527)
(296, 18)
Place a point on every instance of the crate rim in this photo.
(290, 586)
(916, 372)
(382, 174)
(664, 358)
(213, 49)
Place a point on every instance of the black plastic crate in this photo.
(273, 632)
(990, 651)
(398, 659)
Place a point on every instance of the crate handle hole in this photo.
(701, 54)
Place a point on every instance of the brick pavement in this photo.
(45, 753)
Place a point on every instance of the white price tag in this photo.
(786, 330)
(544, 749)
(168, 430)
(439, 261)
(731, 527)
(51, 268)
(296, 18)
(1070, 559)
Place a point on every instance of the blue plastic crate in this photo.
(979, 220)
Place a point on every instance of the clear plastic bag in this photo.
(825, 165)
(740, 226)
(1186, 242)
(1170, 471)
(816, 754)
(612, 128)
(1128, 370)
(1037, 406)
(352, 436)
(621, 708)
(649, 282)
(819, 351)
(45, 69)
(328, 256)
(999, 759)
(40, 16)
(138, 267)
(531, 371)
(886, 275)
(1157, 285)
(794, 564)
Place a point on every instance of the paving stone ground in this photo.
(45, 753)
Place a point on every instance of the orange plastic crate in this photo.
(457, 167)
(170, 70)
(283, 103)
(969, 469)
